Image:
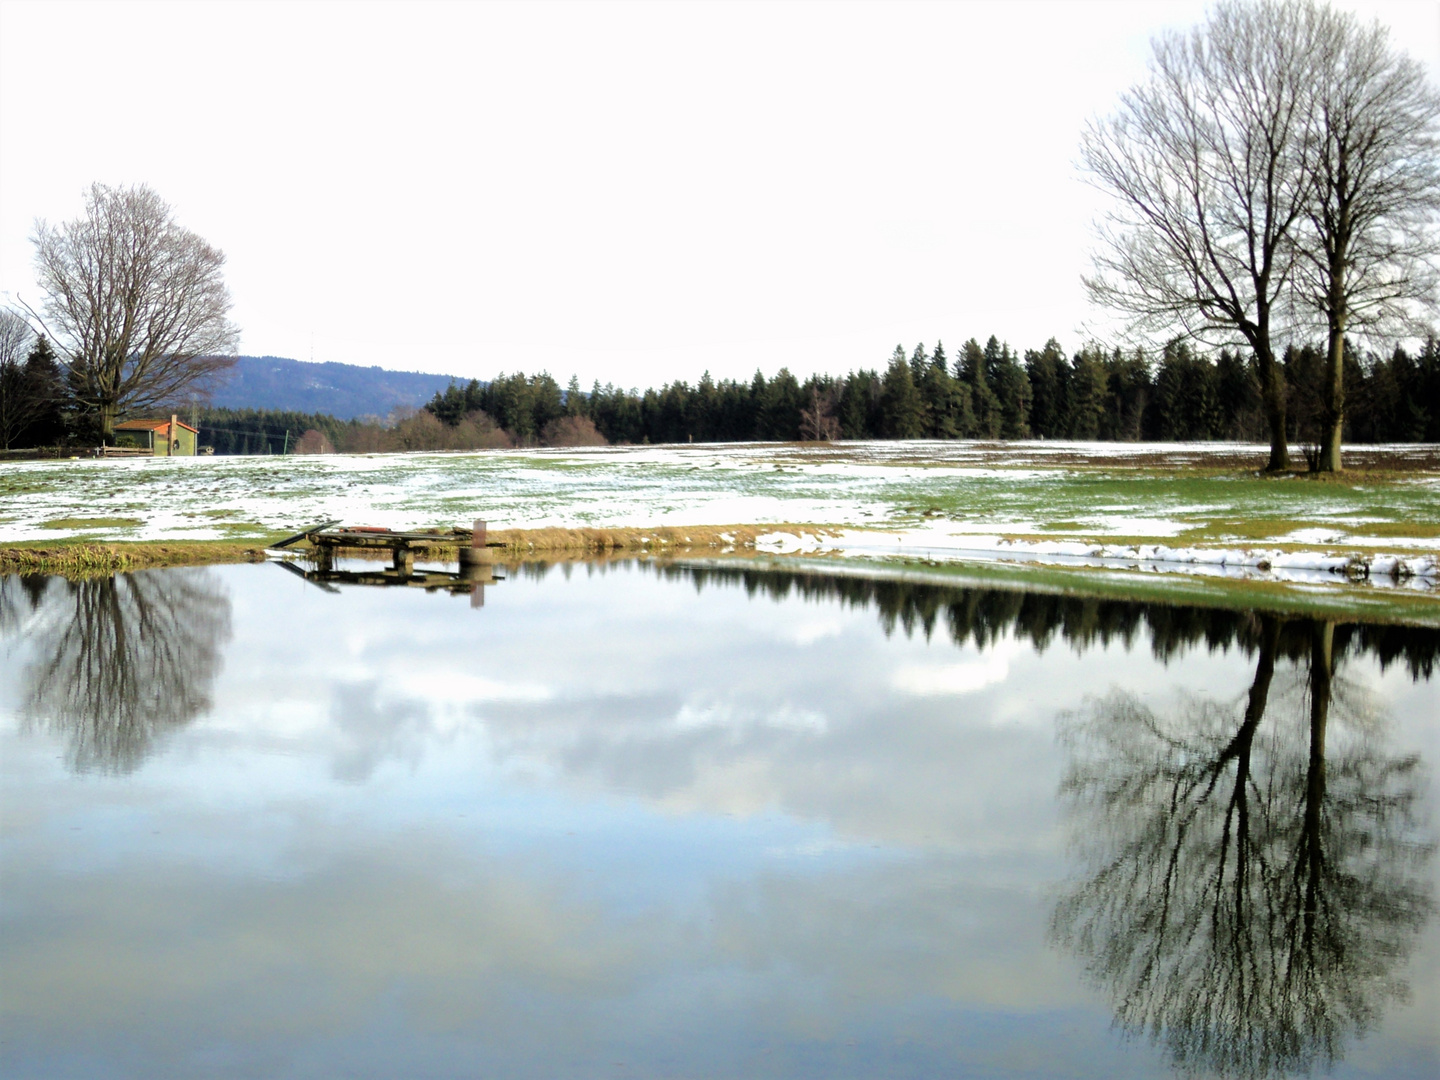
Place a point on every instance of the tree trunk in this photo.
(1269, 645)
(107, 424)
(1312, 852)
(1334, 416)
(1272, 394)
(1338, 311)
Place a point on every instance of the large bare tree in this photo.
(119, 661)
(137, 304)
(1207, 160)
(1375, 167)
(1256, 870)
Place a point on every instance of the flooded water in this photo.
(639, 822)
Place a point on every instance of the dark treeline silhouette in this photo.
(32, 398)
(987, 392)
(983, 616)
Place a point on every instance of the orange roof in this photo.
(151, 425)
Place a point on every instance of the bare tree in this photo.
(16, 337)
(136, 302)
(818, 423)
(119, 661)
(1207, 161)
(1375, 169)
(1254, 882)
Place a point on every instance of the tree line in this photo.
(989, 392)
(986, 392)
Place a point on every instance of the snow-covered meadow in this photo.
(1199, 505)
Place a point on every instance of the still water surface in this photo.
(702, 823)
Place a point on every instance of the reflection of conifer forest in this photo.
(118, 661)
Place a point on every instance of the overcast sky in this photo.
(634, 192)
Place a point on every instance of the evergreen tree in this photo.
(1413, 415)
(545, 401)
(1304, 409)
(919, 368)
(1091, 384)
(448, 407)
(1048, 373)
(1185, 404)
(32, 395)
(271, 431)
(1238, 398)
(780, 408)
(947, 401)
(1427, 386)
(574, 399)
(900, 401)
(759, 391)
(1012, 389)
(705, 410)
(1128, 396)
(44, 386)
(984, 405)
(855, 398)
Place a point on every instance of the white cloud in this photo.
(963, 677)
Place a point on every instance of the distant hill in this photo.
(342, 390)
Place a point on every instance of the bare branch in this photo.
(138, 304)
(1369, 257)
(1206, 161)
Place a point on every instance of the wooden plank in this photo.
(302, 535)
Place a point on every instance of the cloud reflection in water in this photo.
(697, 822)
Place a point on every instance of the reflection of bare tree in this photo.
(1253, 887)
(120, 660)
(20, 596)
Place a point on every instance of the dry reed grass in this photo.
(517, 545)
(80, 560)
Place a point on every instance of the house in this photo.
(163, 438)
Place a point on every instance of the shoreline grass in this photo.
(736, 545)
(86, 555)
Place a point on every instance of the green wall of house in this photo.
(155, 441)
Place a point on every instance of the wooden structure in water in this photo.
(477, 568)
